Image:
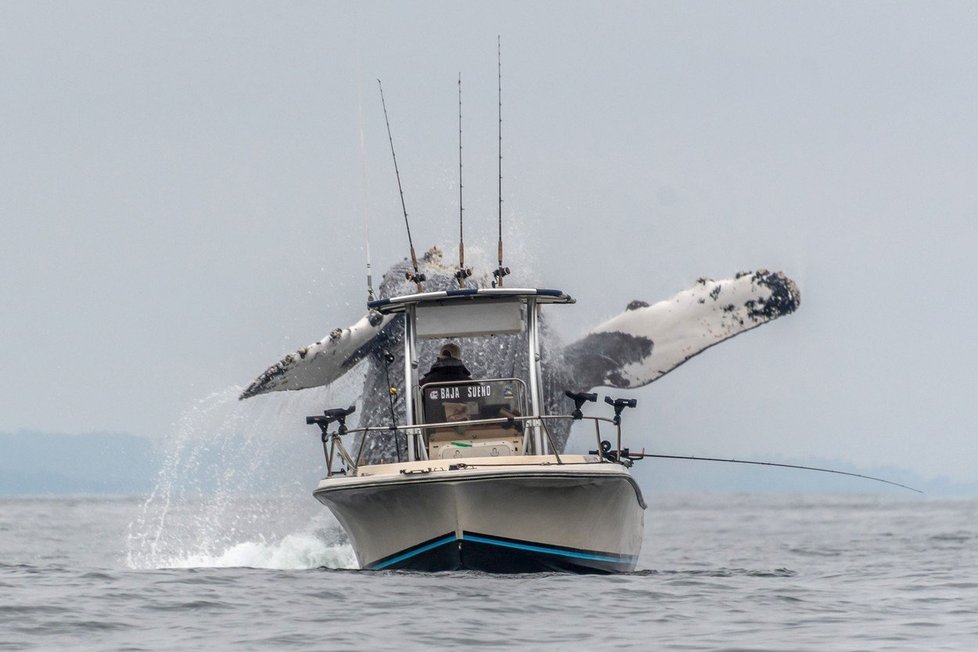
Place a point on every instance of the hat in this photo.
(450, 350)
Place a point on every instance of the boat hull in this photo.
(478, 552)
(499, 517)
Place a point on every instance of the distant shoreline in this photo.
(99, 464)
(123, 465)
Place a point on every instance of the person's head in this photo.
(450, 350)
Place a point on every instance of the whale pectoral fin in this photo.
(646, 342)
(322, 362)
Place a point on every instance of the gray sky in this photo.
(180, 198)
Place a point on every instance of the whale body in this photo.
(630, 350)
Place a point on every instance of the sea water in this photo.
(717, 572)
(230, 550)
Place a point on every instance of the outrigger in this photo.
(482, 485)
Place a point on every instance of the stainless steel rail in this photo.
(336, 448)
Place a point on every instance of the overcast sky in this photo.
(181, 184)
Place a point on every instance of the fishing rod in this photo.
(416, 276)
(643, 454)
(363, 185)
(500, 271)
(463, 272)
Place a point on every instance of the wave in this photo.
(234, 489)
(299, 551)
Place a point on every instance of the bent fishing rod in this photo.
(643, 455)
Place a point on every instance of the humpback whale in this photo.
(632, 349)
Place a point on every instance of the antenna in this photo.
(463, 272)
(500, 271)
(363, 185)
(416, 276)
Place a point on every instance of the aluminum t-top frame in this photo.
(470, 312)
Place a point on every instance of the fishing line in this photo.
(391, 395)
(786, 466)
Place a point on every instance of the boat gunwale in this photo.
(466, 473)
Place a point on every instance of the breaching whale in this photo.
(630, 350)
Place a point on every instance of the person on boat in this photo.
(447, 367)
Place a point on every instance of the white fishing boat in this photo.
(482, 485)
(472, 473)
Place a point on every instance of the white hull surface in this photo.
(504, 514)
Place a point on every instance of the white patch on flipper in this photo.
(696, 319)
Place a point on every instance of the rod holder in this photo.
(336, 415)
(620, 404)
(579, 398)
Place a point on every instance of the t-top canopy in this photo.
(399, 304)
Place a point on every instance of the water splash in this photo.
(319, 544)
(235, 487)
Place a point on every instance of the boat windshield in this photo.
(457, 403)
(473, 399)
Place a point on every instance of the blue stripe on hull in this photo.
(404, 558)
(546, 550)
(490, 554)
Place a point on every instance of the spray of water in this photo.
(235, 483)
(235, 487)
